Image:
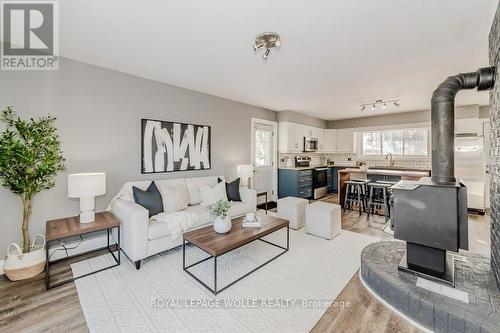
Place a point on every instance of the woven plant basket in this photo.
(20, 266)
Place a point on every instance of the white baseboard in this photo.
(1, 267)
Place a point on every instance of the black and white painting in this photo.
(170, 146)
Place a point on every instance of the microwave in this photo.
(310, 144)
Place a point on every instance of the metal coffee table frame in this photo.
(214, 290)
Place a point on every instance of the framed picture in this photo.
(170, 146)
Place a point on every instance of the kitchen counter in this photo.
(376, 174)
(388, 172)
(312, 167)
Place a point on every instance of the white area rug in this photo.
(120, 299)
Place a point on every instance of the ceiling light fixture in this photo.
(267, 41)
(382, 102)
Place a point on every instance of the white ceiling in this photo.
(335, 54)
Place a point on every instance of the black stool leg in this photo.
(386, 206)
(369, 202)
(360, 203)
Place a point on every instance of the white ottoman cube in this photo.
(294, 210)
(323, 219)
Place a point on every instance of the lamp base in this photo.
(87, 217)
(87, 213)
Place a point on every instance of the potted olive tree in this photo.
(30, 158)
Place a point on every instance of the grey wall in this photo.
(466, 111)
(98, 116)
(494, 42)
(300, 118)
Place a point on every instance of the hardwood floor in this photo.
(26, 306)
(365, 313)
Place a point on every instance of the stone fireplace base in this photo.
(432, 310)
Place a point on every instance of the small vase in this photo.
(222, 225)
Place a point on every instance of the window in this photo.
(263, 147)
(399, 142)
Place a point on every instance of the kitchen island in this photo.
(392, 174)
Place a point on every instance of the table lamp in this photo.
(86, 186)
(245, 171)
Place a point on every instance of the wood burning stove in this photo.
(431, 214)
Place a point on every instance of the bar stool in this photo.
(379, 196)
(355, 193)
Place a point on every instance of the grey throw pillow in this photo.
(232, 189)
(149, 199)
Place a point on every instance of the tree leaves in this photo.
(30, 154)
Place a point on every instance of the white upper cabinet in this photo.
(345, 139)
(290, 137)
(330, 140)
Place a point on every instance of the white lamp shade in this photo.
(85, 185)
(245, 170)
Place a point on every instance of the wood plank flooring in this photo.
(26, 306)
(365, 314)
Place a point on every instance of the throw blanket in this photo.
(178, 222)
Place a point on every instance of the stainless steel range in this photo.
(320, 183)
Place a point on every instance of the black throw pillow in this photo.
(149, 199)
(232, 189)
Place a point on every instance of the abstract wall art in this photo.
(170, 146)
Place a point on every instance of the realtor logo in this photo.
(29, 35)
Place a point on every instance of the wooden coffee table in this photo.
(218, 244)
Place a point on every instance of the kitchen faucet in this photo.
(391, 160)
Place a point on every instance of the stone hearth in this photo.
(379, 271)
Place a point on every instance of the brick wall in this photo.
(494, 46)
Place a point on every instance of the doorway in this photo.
(264, 159)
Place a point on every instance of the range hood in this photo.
(431, 214)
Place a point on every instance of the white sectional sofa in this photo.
(142, 237)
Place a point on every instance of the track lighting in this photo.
(382, 102)
(267, 41)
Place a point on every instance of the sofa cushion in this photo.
(174, 194)
(232, 189)
(238, 209)
(149, 199)
(212, 194)
(193, 187)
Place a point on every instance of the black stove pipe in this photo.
(443, 120)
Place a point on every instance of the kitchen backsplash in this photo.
(351, 159)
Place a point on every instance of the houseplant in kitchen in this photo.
(222, 223)
(30, 158)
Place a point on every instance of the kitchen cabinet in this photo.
(345, 140)
(468, 126)
(290, 137)
(330, 140)
(295, 183)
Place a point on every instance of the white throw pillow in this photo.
(175, 198)
(210, 195)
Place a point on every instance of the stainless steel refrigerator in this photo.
(469, 167)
